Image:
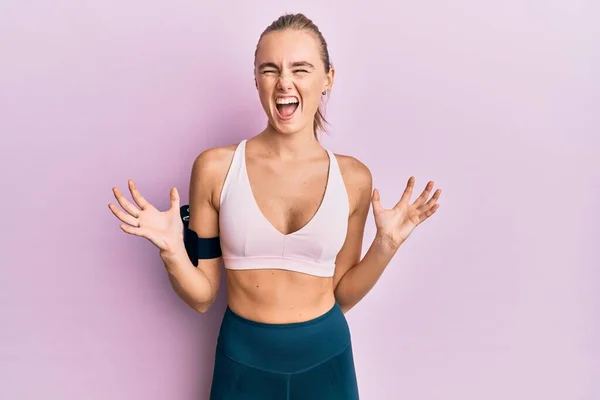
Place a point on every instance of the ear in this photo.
(329, 78)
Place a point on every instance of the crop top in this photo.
(249, 241)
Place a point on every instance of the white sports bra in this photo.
(249, 241)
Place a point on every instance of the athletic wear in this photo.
(309, 360)
(249, 241)
(197, 247)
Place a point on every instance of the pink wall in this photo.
(495, 298)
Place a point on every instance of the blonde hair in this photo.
(301, 22)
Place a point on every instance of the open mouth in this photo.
(286, 106)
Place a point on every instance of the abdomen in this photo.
(278, 296)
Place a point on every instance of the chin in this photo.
(288, 128)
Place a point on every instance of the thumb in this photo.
(174, 199)
(376, 201)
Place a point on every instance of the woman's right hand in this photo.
(163, 228)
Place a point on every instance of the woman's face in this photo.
(290, 78)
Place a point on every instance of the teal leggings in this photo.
(309, 360)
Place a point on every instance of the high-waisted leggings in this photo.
(309, 360)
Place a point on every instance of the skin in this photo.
(287, 168)
(289, 63)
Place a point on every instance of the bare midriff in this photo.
(276, 296)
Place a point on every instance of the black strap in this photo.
(197, 247)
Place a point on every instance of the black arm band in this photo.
(197, 247)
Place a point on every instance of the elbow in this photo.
(204, 306)
(346, 301)
(201, 309)
(345, 307)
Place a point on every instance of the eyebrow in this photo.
(293, 65)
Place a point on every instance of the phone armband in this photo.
(198, 247)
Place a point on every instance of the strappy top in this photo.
(250, 241)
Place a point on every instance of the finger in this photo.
(427, 211)
(123, 202)
(137, 196)
(424, 194)
(175, 199)
(376, 201)
(128, 219)
(434, 198)
(407, 192)
(431, 202)
(431, 210)
(132, 230)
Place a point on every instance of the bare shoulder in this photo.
(211, 160)
(354, 171)
(209, 171)
(357, 178)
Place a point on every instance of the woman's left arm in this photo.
(354, 278)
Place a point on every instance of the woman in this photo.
(286, 217)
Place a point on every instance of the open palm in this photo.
(398, 222)
(163, 228)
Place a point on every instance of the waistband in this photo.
(283, 348)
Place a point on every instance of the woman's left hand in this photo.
(396, 224)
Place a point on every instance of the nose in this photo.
(284, 82)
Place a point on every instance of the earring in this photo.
(324, 92)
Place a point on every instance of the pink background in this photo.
(495, 298)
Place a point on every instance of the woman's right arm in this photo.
(198, 286)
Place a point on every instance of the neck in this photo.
(296, 145)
